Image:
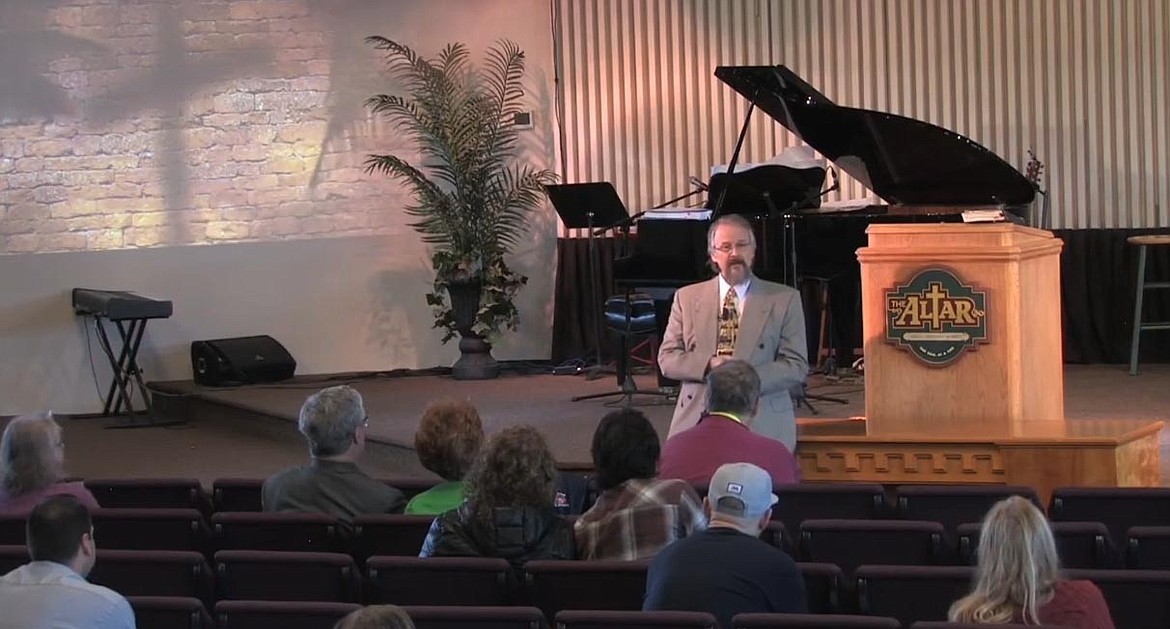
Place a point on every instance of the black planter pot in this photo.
(475, 360)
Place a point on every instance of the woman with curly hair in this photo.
(508, 511)
(32, 465)
(447, 440)
(1018, 576)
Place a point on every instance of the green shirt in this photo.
(437, 500)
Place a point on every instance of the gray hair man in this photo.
(334, 422)
(724, 433)
(727, 569)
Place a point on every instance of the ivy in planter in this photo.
(497, 306)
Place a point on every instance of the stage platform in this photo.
(1105, 409)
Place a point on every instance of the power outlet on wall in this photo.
(522, 120)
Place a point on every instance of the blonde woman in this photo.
(376, 617)
(32, 465)
(1018, 576)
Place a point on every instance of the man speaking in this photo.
(736, 315)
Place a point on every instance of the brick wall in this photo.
(147, 123)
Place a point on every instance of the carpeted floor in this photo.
(250, 431)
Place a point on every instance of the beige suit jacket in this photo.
(771, 338)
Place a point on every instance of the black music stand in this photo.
(591, 206)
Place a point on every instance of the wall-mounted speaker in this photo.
(241, 360)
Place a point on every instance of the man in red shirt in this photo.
(723, 434)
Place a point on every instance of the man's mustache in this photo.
(734, 261)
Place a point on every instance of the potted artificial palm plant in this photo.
(472, 195)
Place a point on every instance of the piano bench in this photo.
(631, 315)
(1140, 325)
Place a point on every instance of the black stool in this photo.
(628, 316)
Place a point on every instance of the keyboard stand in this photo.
(126, 373)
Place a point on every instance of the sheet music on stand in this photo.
(677, 214)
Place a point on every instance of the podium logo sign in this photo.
(936, 316)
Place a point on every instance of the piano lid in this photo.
(903, 160)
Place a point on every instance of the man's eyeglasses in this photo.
(728, 247)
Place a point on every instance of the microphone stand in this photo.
(790, 246)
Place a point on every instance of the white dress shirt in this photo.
(49, 595)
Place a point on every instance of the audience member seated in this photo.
(334, 422)
(723, 434)
(32, 465)
(1018, 579)
(508, 511)
(727, 569)
(51, 590)
(376, 617)
(637, 514)
(447, 440)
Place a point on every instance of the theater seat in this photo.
(390, 534)
(476, 581)
(307, 532)
(911, 593)
(258, 575)
(473, 617)
(556, 585)
(598, 619)
(812, 621)
(169, 612)
(282, 614)
(850, 543)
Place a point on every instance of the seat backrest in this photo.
(812, 621)
(282, 614)
(822, 586)
(475, 581)
(12, 557)
(911, 593)
(237, 494)
(1079, 544)
(820, 501)
(952, 505)
(1119, 508)
(964, 625)
(169, 612)
(776, 534)
(287, 576)
(850, 543)
(150, 529)
(1137, 599)
(149, 493)
(410, 486)
(1148, 548)
(309, 532)
(390, 534)
(475, 617)
(605, 619)
(12, 530)
(168, 573)
(556, 585)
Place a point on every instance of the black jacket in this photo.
(518, 534)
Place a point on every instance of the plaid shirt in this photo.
(638, 518)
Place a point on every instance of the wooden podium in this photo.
(964, 375)
(1016, 375)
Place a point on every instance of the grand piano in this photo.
(923, 172)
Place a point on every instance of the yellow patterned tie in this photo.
(728, 324)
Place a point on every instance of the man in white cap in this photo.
(727, 569)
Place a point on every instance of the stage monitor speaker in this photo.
(242, 360)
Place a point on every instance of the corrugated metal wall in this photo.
(1081, 82)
